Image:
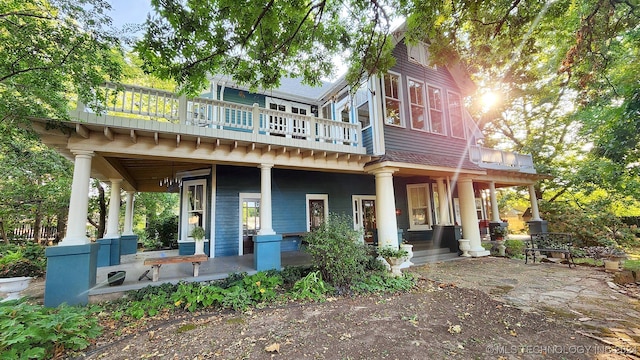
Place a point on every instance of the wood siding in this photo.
(289, 189)
(406, 139)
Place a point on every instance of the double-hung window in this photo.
(455, 115)
(417, 101)
(420, 217)
(435, 110)
(392, 99)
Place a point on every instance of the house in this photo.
(399, 154)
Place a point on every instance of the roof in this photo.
(428, 159)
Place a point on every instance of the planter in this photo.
(611, 265)
(13, 286)
(465, 246)
(407, 259)
(115, 278)
(395, 265)
(199, 247)
(501, 248)
(556, 255)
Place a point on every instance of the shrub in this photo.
(335, 251)
(33, 331)
(291, 274)
(21, 267)
(514, 248)
(310, 287)
(383, 283)
(164, 231)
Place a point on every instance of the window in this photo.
(419, 54)
(435, 110)
(417, 102)
(455, 115)
(392, 102)
(419, 207)
(193, 206)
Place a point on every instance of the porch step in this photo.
(422, 257)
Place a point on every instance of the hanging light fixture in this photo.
(171, 181)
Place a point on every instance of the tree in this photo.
(52, 50)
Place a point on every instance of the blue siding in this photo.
(367, 139)
(289, 189)
(406, 139)
(242, 97)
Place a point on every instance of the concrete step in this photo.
(428, 252)
(433, 258)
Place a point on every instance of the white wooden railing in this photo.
(165, 106)
(498, 159)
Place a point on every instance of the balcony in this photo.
(145, 109)
(501, 160)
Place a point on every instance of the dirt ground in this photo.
(453, 313)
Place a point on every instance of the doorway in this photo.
(249, 221)
(364, 216)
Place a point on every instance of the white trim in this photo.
(425, 105)
(462, 121)
(241, 198)
(212, 231)
(356, 200)
(323, 197)
(400, 99)
(442, 101)
(429, 217)
(421, 52)
(184, 225)
(377, 113)
(194, 173)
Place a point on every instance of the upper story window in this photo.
(417, 101)
(455, 115)
(435, 110)
(419, 54)
(419, 206)
(392, 99)
(361, 103)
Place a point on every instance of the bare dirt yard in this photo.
(487, 308)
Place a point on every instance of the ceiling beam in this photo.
(82, 131)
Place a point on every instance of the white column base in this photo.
(479, 252)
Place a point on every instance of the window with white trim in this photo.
(455, 115)
(419, 200)
(435, 110)
(418, 111)
(392, 100)
(419, 54)
(317, 210)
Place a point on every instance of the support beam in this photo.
(198, 142)
(133, 136)
(443, 203)
(470, 228)
(535, 213)
(386, 208)
(251, 147)
(108, 133)
(266, 225)
(495, 211)
(156, 138)
(82, 131)
(114, 210)
(178, 141)
(128, 214)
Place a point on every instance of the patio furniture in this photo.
(549, 243)
(157, 262)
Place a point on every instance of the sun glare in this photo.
(489, 99)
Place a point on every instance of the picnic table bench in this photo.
(549, 243)
(159, 261)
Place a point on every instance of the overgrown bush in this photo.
(514, 248)
(336, 252)
(383, 283)
(163, 231)
(35, 332)
(310, 287)
(22, 260)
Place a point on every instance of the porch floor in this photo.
(215, 269)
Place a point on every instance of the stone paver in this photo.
(583, 295)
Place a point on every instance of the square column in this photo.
(470, 229)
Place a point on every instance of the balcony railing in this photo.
(158, 105)
(501, 160)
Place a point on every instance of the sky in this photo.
(129, 11)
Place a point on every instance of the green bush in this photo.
(21, 267)
(335, 251)
(26, 260)
(514, 248)
(310, 287)
(163, 231)
(35, 332)
(383, 283)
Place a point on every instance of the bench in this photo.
(157, 262)
(549, 243)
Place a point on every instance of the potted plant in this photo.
(395, 257)
(612, 256)
(198, 235)
(499, 233)
(16, 273)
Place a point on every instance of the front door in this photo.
(364, 216)
(249, 221)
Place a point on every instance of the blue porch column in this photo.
(109, 252)
(71, 266)
(128, 240)
(266, 254)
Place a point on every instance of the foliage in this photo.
(191, 296)
(310, 287)
(25, 260)
(149, 300)
(198, 233)
(603, 252)
(514, 248)
(33, 331)
(378, 283)
(499, 231)
(51, 49)
(164, 230)
(260, 42)
(335, 251)
(390, 252)
(291, 274)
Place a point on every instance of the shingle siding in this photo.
(407, 139)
